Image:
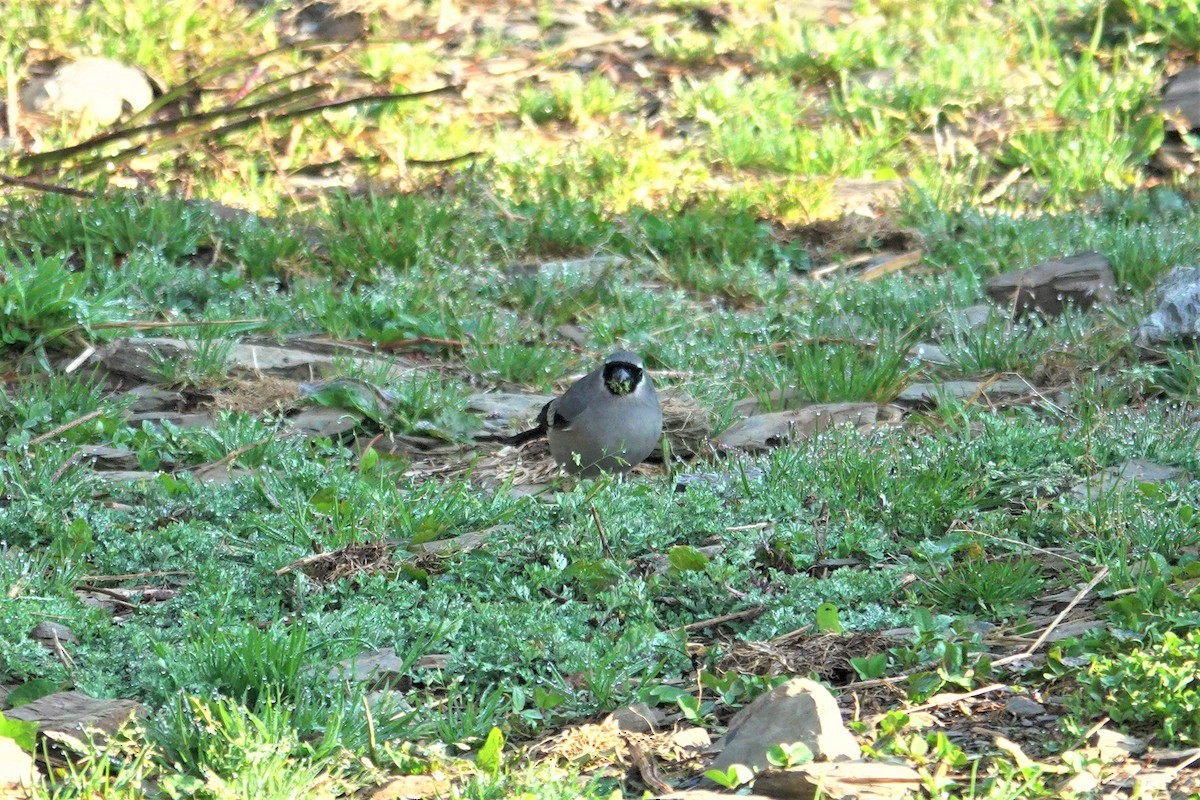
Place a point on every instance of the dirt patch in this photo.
(800, 653)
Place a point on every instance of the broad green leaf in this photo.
(22, 732)
(368, 460)
(74, 542)
(30, 691)
(870, 668)
(547, 699)
(735, 776)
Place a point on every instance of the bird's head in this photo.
(623, 372)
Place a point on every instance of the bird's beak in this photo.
(620, 381)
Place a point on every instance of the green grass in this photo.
(686, 180)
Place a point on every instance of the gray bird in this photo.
(607, 421)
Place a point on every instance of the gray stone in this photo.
(1181, 100)
(330, 422)
(968, 318)
(99, 89)
(861, 780)
(924, 393)
(691, 738)
(931, 353)
(637, 718)
(1115, 746)
(800, 710)
(73, 712)
(1125, 476)
(151, 398)
(48, 633)
(383, 669)
(144, 359)
(505, 412)
(766, 431)
(1176, 317)
(1080, 280)
(1022, 706)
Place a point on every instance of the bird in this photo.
(607, 421)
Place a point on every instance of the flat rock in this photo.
(383, 669)
(1125, 475)
(197, 420)
(705, 794)
(767, 431)
(800, 710)
(930, 353)
(47, 633)
(151, 398)
(108, 458)
(1176, 317)
(319, 421)
(142, 359)
(863, 780)
(637, 718)
(1181, 100)
(1080, 280)
(1113, 745)
(507, 412)
(927, 393)
(99, 89)
(73, 712)
(1022, 706)
(967, 318)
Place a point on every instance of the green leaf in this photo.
(870, 668)
(735, 776)
(547, 700)
(31, 690)
(427, 530)
(74, 542)
(368, 460)
(489, 755)
(173, 486)
(325, 501)
(827, 619)
(668, 694)
(690, 706)
(354, 395)
(22, 732)
(789, 754)
(687, 559)
(593, 575)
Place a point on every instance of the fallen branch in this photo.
(66, 426)
(746, 613)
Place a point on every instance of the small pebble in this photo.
(1021, 706)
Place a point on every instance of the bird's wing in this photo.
(562, 411)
